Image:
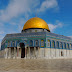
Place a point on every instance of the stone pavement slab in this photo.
(35, 65)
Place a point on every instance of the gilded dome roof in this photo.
(36, 23)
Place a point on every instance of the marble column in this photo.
(69, 50)
(14, 53)
(44, 52)
(38, 55)
(25, 52)
(59, 49)
(29, 52)
(6, 53)
(35, 52)
(17, 52)
(20, 52)
(66, 49)
(9, 53)
(55, 47)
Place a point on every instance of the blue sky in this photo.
(14, 13)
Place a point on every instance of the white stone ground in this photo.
(35, 65)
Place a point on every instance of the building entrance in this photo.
(22, 45)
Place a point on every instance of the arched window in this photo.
(57, 44)
(13, 43)
(18, 41)
(8, 43)
(36, 43)
(25, 42)
(48, 43)
(42, 43)
(64, 45)
(67, 46)
(53, 44)
(30, 43)
(61, 45)
(71, 46)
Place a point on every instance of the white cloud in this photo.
(70, 36)
(1, 36)
(13, 23)
(0, 45)
(52, 27)
(2, 32)
(17, 7)
(47, 4)
(26, 7)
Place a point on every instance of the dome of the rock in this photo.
(36, 23)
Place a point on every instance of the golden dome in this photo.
(36, 23)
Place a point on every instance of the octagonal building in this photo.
(36, 41)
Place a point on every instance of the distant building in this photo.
(36, 41)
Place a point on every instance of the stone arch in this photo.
(25, 42)
(53, 44)
(22, 45)
(20, 49)
(31, 43)
(8, 44)
(18, 43)
(67, 45)
(36, 43)
(49, 43)
(61, 45)
(42, 43)
(64, 45)
(13, 43)
(57, 44)
(71, 46)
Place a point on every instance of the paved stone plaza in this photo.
(35, 65)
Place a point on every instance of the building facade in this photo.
(36, 41)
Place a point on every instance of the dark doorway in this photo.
(22, 45)
(61, 53)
